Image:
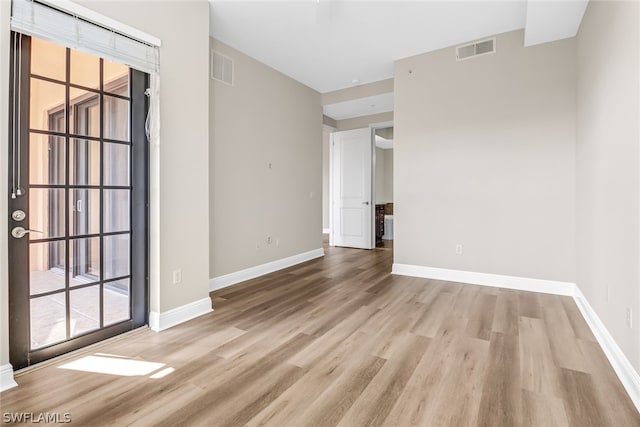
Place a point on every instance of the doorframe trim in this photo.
(5, 12)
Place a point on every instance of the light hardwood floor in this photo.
(340, 341)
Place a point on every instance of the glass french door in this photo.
(79, 160)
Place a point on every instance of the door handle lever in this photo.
(19, 232)
(365, 203)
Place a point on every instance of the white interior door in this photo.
(351, 164)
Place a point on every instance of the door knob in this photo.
(19, 232)
(365, 203)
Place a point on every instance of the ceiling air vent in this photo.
(221, 68)
(472, 50)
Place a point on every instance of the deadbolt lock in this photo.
(18, 215)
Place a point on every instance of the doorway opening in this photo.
(78, 158)
(384, 186)
(361, 187)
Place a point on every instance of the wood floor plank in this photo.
(333, 316)
(529, 305)
(236, 409)
(482, 314)
(271, 369)
(333, 338)
(445, 386)
(387, 337)
(375, 402)
(429, 323)
(505, 320)
(329, 408)
(578, 324)
(237, 345)
(538, 371)
(564, 345)
(158, 410)
(501, 397)
(608, 389)
(542, 410)
(580, 402)
(193, 350)
(465, 300)
(286, 409)
(428, 291)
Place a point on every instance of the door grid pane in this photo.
(85, 309)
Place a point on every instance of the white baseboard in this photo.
(260, 270)
(621, 365)
(161, 321)
(326, 231)
(6, 377)
(485, 279)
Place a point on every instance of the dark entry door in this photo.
(79, 166)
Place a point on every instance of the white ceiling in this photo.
(327, 45)
(553, 20)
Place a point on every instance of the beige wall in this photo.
(608, 167)
(384, 176)
(356, 92)
(364, 121)
(379, 196)
(328, 121)
(386, 133)
(326, 169)
(388, 175)
(485, 157)
(264, 118)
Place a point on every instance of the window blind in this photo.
(71, 30)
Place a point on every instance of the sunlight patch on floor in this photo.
(161, 374)
(115, 365)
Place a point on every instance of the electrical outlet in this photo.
(458, 249)
(629, 318)
(177, 276)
